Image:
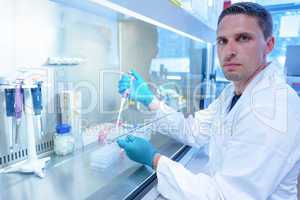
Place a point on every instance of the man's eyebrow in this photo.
(236, 34)
(220, 37)
(244, 33)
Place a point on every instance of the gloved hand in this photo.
(138, 149)
(138, 89)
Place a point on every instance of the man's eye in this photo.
(221, 41)
(243, 38)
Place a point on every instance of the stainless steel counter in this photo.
(72, 177)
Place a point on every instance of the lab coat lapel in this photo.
(223, 127)
(264, 80)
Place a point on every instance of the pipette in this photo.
(130, 132)
(37, 106)
(10, 111)
(32, 164)
(123, 100)
(125, 95)
(18, 110)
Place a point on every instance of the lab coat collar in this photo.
(268, 77)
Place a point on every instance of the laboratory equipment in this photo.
(37, 107)
(292, 60)
(171, 97)
(63, 140)
(65, 106)
(105, 156)
(32, 164)
(292, 67)
(18, 109)
(10, 112)
(70, 110)
(123, 100)
(106, 133)
(125, 95)
(65, 61)
(142, 130)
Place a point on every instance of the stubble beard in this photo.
(232, 76)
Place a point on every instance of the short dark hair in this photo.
(263, 16)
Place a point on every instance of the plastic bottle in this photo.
(63, 140)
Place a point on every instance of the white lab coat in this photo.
(254, 150)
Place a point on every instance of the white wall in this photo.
(28, 33)
(7, 65)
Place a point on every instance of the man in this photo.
(252, 129)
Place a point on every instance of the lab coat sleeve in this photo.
(193, 131)
(255, 161)
(177, 183)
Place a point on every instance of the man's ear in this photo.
(270, 44)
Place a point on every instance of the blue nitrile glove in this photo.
(136, 88)
(138, 149)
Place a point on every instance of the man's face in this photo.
(242, 48)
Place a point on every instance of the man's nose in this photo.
(230, 50)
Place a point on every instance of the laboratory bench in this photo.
(72, 177)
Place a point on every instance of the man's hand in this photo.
(138, 149)
(136, 87)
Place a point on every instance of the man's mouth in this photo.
(231, 66)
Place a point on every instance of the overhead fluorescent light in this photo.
(139, 16)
